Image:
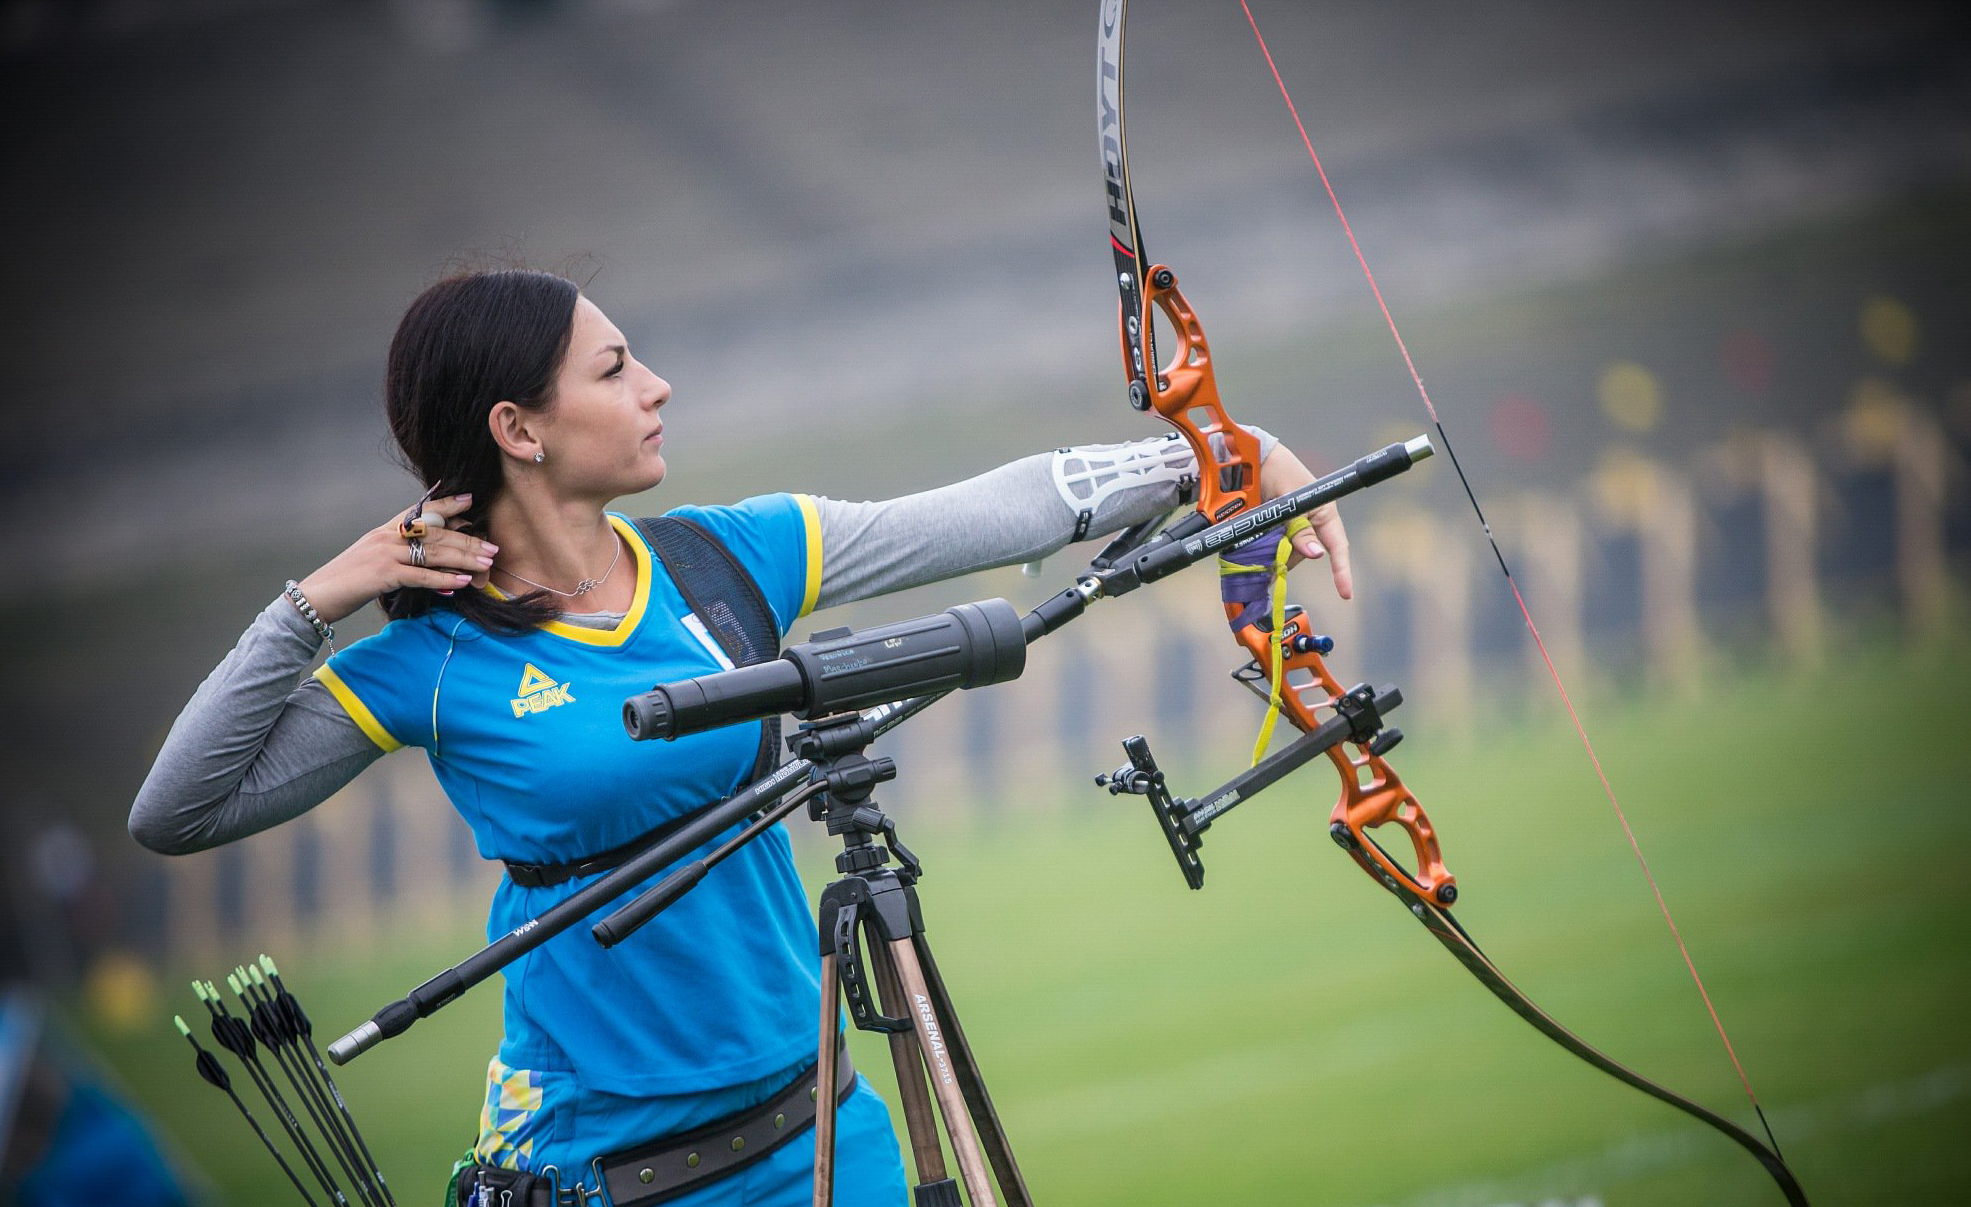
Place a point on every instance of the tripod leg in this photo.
(824, 1084)
(944, 1079)
(919, 1117)
(992, 1134)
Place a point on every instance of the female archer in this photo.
(522, 610)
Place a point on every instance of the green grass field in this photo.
(1290, 1035)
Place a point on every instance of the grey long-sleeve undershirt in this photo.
(252, 749)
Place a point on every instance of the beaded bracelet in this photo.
(308, 613)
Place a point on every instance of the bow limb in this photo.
(1373, 796)
(1183, 390)
(1461, 945)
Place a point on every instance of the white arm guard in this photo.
(1088, 474)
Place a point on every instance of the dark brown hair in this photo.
(467, 343)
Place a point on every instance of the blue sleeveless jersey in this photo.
(525, 735)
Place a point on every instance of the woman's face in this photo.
(601, 436)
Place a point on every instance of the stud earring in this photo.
(539, 457)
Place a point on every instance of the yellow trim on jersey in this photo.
(627, 625)
(812, 518)
(358, 711)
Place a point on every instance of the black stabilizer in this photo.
(1162, 557)
(665, 895)
(397, 1017)
(1053, 612)
(448, 985)
(1358, 718)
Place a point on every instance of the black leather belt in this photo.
(663, 1169)
(540, 875)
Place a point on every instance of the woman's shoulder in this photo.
(757, 511)
(409, 639)
(769, 526)
(776, 537)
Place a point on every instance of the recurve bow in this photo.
(1345, 724)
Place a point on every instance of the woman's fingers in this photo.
(444, 547)
(435, 580)
(429, 515)
(1328, 534)
(447, 558)
(1282, 473)
(380, 560)
(1307, 545)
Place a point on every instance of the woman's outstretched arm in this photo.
(1020, 512)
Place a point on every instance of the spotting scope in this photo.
(971, 645)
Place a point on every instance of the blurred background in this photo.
(1687, 281)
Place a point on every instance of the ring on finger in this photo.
(417, 552)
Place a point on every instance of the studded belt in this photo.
(674, 1165)
(663, 1169)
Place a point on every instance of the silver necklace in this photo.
(581, 588)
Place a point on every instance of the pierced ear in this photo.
(513, 433)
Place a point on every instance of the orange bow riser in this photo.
(1184, 392)
(1372, 794)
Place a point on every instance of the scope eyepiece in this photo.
(647, 715)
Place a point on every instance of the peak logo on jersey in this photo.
(539, 692)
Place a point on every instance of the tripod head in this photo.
(837, 747)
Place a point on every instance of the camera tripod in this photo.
(892, 985)
(874, 960)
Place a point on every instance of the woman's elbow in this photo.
(153, 834)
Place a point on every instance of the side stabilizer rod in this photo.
(1358, 718)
